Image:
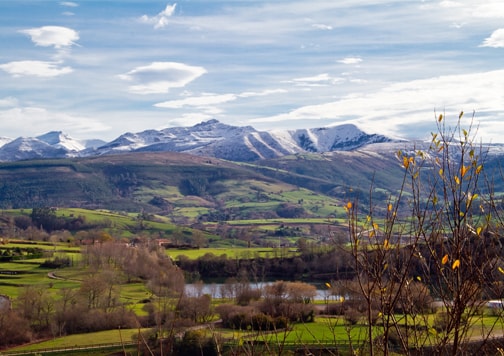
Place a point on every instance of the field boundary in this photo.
(67, 349)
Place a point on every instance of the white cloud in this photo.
(200, 101)
(35, 68)
(69, 4)
(450, 4)
(266, 92)
(8, 102)
(189, 119)
(38, 120)
(492, 9)
(160, 20)
(320, 26)
(350, 60)
(206, 101)
(47, 36)
(402, 105)
(496, 39)
(318, 78)
(160, 77)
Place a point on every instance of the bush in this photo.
(352, 316)
(195, 342)
(247, 318)
(57, 262)
(247, 295)
(14, 329)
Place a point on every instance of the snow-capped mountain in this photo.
(5, 140)
(59, 139)
(211, 138)
(24, 148)
(215, 139)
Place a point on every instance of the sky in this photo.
(98, 69)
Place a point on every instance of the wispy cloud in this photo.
(320, 26)
(69, 3)
(38, 120)
(350, 60)
(55, 36)
(407, 104)
(496, 39)
(320, 80)
(208, 101)
(7, 102)
(160, 77)
(35, 68)
(161, 19)
(199, 101)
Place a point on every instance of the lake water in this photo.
(219, 290)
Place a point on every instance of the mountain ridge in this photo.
(208, 138)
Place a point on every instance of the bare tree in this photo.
(437, 235)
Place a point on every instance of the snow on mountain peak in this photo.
(5, 140)
(209, 138)
(59, 139)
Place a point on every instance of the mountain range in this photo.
(210, 138)
(198, 173)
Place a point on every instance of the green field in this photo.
(88, 339)
(233, 252)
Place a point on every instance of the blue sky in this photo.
(97, 69)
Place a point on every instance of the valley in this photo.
(329, 250)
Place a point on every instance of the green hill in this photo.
(190, 187)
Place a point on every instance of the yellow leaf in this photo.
(385, 267)
(478, 169)
(341, 299)
(432, 331)
(380, 314)
(328, 285)
(389, 208)
(375, 226)
(445, 259)
(457, 180)
(441, 172)
(440, 118)
(456, 264)
(501, 270)
(405, 162)
(419, 278)
(371, 233)
(349, 205)
(386, 244)
(464, 131)
(461, 114)
(478, 230)
(463, 170)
